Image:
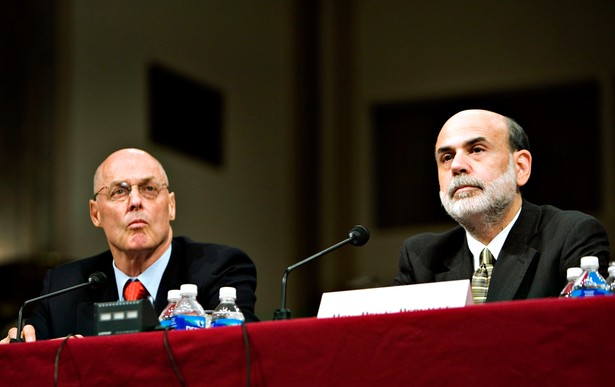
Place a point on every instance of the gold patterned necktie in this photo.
(134, 290)
(481, 277)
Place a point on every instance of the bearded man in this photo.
(510, 248)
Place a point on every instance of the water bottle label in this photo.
(226, 322)
(188, 322)
(166, 323)
(589, 292)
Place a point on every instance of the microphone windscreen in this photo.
(97, 280)
(359, 235)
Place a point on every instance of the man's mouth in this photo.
(137, 223)
(464, 191)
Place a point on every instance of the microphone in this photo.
(358, 236)
(97, 280)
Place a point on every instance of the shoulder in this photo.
(186, 247)
(549, 216)
(78, 271)
(196, 262)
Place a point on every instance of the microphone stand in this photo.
(19, 317)
(284, 313)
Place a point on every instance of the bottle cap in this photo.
(573, 273)
(589, 263)
(188, 289)
(173, 295)
(227, 291)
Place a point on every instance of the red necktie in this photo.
(134, 290)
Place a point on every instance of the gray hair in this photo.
(517, 137)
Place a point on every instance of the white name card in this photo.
(394, 299)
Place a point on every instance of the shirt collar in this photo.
(150, 278)
(495, 246)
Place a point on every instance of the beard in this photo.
(476, 210)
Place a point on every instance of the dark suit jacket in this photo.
(541, 245)
(209, 266)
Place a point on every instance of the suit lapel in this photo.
(516, 256)
(170, 278)
(509, 272)
(459, 264)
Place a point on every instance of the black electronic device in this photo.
(124, 317)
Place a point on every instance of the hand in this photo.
(27, 333)
(70, 337)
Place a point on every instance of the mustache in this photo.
(464, 180)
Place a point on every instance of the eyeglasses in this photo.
(120, 192)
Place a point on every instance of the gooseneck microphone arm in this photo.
(96, 280)
(358, 236)
(283, 313)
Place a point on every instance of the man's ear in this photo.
(171, 206)
(523, 166)
(94, 213)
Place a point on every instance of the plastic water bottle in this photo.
(166, 317)
(227, 313)
(571, 275)
(610, 281)
(590, 283)
(188, 313)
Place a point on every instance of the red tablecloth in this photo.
(559, 342)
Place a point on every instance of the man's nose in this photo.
(134, 197)
(460, 164)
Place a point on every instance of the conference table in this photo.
(545, 342)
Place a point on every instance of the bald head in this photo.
(476, 114)
(494, 122)
(480, 120)
(125, 160)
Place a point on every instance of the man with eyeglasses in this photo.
(134, 206)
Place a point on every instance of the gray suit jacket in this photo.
(543, 243)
